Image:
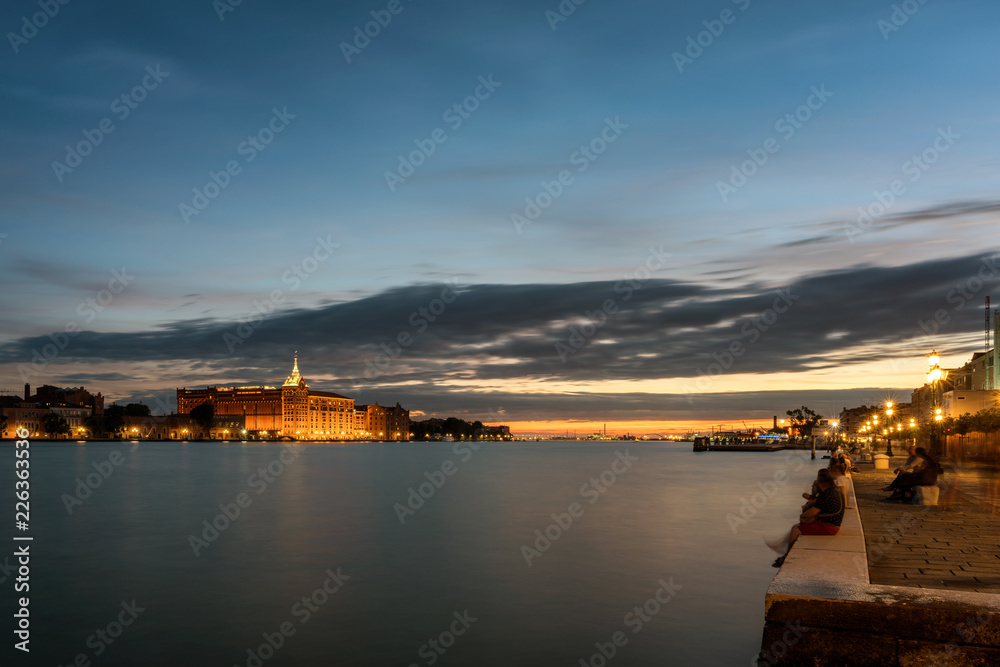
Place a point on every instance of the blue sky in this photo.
(891, 96)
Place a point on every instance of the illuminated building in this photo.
(293, 410)
(384, 423)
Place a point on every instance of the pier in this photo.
(704, 444)
(899, 585)
(743, 448)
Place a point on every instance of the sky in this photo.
(652, 215)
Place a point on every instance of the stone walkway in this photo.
(954, 545)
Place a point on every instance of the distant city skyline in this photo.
(651, 216)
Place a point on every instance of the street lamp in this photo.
(888, 437)
(934, 376)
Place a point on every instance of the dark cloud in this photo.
(845, 230)
(497, 333)
(950, 210)
(80, 379)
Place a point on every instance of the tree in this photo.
(803, 419)
(986, 420)
(137, 410)
(991, 420)
(203, 415)
(114, 419)
(94, 425)
(55, 424)
(963, 424)
(3, 424)
(457, 428)
(453, 426)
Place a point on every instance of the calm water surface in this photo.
(330, 510)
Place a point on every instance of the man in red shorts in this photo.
(823, 518)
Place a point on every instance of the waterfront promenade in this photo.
(900, 586)
(954, 545)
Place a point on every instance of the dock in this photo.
(744, 448)
(705, 444)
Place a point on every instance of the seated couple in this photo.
(920, 469)
(823, 516)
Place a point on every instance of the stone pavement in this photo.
(954, 545)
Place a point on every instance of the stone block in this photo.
(881, 462)
(919, 614)
(792, 644)
(926, 495)
(920, 654)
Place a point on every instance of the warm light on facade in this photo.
(295, 409)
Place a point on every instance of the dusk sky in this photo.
(195, 190)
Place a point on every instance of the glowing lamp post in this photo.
(888, 433)
(934, 376)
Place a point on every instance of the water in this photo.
(329, 509)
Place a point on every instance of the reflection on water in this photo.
(403, 553)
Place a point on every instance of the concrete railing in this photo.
(822, 609)
(824, 560)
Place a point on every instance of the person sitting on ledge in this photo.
(810, 497)
(924, 474)
(836, 461)
(848, 464)
(823, 518)
(908, 465)
(839, 472)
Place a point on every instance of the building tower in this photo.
(295, 404)
(295, 377)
